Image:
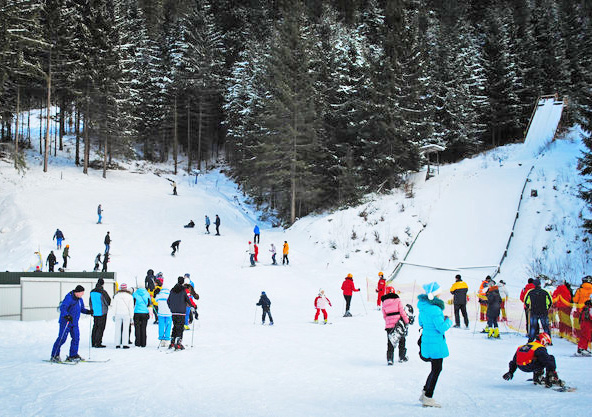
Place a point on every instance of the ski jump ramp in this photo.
(469, 231)
(544, 122)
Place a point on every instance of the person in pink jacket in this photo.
(320, 304)
(348, 289)
(392, 312)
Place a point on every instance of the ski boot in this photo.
(316, 322)
(390, 362)
(456, 326)
(490, 333)
(552, 379)
(75, 358)
(187, 327)
(172, 345)
(403, 359)
(496, 333)
(325, 322)
(56, 359)
(430, 402)
(178, 345)
(537, 377)
(584, 352)
(271, 323)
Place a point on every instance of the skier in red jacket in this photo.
(348, 288)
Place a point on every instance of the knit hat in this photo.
(458, 277)
(180, 280)
(123, 287)
(79, 288)
(432, 290)
(487, 278)
(536, 282)
(262, 292)
(101, 281)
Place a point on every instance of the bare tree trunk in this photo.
(175, 138)
(47, 144)
(188, 136)
(199, 135)
(41, 128)
(106, 140)
(86, 139)
(77, 127)
(18, 110)
(62, 121)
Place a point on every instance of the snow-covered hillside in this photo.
(295, 368)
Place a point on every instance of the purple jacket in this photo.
(392, 310)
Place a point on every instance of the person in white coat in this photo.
(123, 316)
(504, 294)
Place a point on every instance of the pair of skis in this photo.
(76, 362)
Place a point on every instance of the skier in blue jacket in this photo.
(70, 310)
(433, 342)
(99, 304)
(256, 234)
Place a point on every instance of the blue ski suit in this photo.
(70, 310)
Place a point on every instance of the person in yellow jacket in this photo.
(285, 259)
(482, 296)
(459, 291)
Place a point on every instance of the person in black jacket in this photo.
(51, 261)
(175, 247)
(538, 302)
(217, 223)
(99, 306)
(459, 291)
(149, 281)
(107, 242)
(265, 304)
(178, 301)
(494, 304)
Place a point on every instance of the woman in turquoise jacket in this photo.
(142, 301)
(433, 342)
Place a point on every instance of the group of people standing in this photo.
(129, 308)
(253, 249)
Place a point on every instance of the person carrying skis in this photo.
(70, 308)
(273, 253)
(142, 305)
(504, 294)
(266, 307)
(207, 224)
(100, 213)
(107, 242)
(494, 302)
(65, 256)
(538, 301)
(59, 237)
(217, 223)
(529, 286)
(178, 301)
(533, 357)
(433, 342)
(251, 251)
(97, 262)
(51, 261)
(459, 292)
(256, 234)
(285, 252)
(562, 299)
(165, 320)
(123, 315)
(348, 289)
(392, 312)
(320, 304)
(193, 296)
(99, 305)
(585, 329)
(175, 247)
(380, 289)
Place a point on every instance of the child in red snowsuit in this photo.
(320, 304)
(380, 289)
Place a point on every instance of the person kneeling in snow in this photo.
(533, 357)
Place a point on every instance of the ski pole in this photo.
(363, 303)
(192, 330)
(89, 335)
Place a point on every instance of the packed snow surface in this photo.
(234, 366)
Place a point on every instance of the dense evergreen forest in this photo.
(310, 103)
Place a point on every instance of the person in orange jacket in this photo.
(482, 297)
(285, 259)
(580, 297)
(562, 298)
(380, 288)
(348, 289)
